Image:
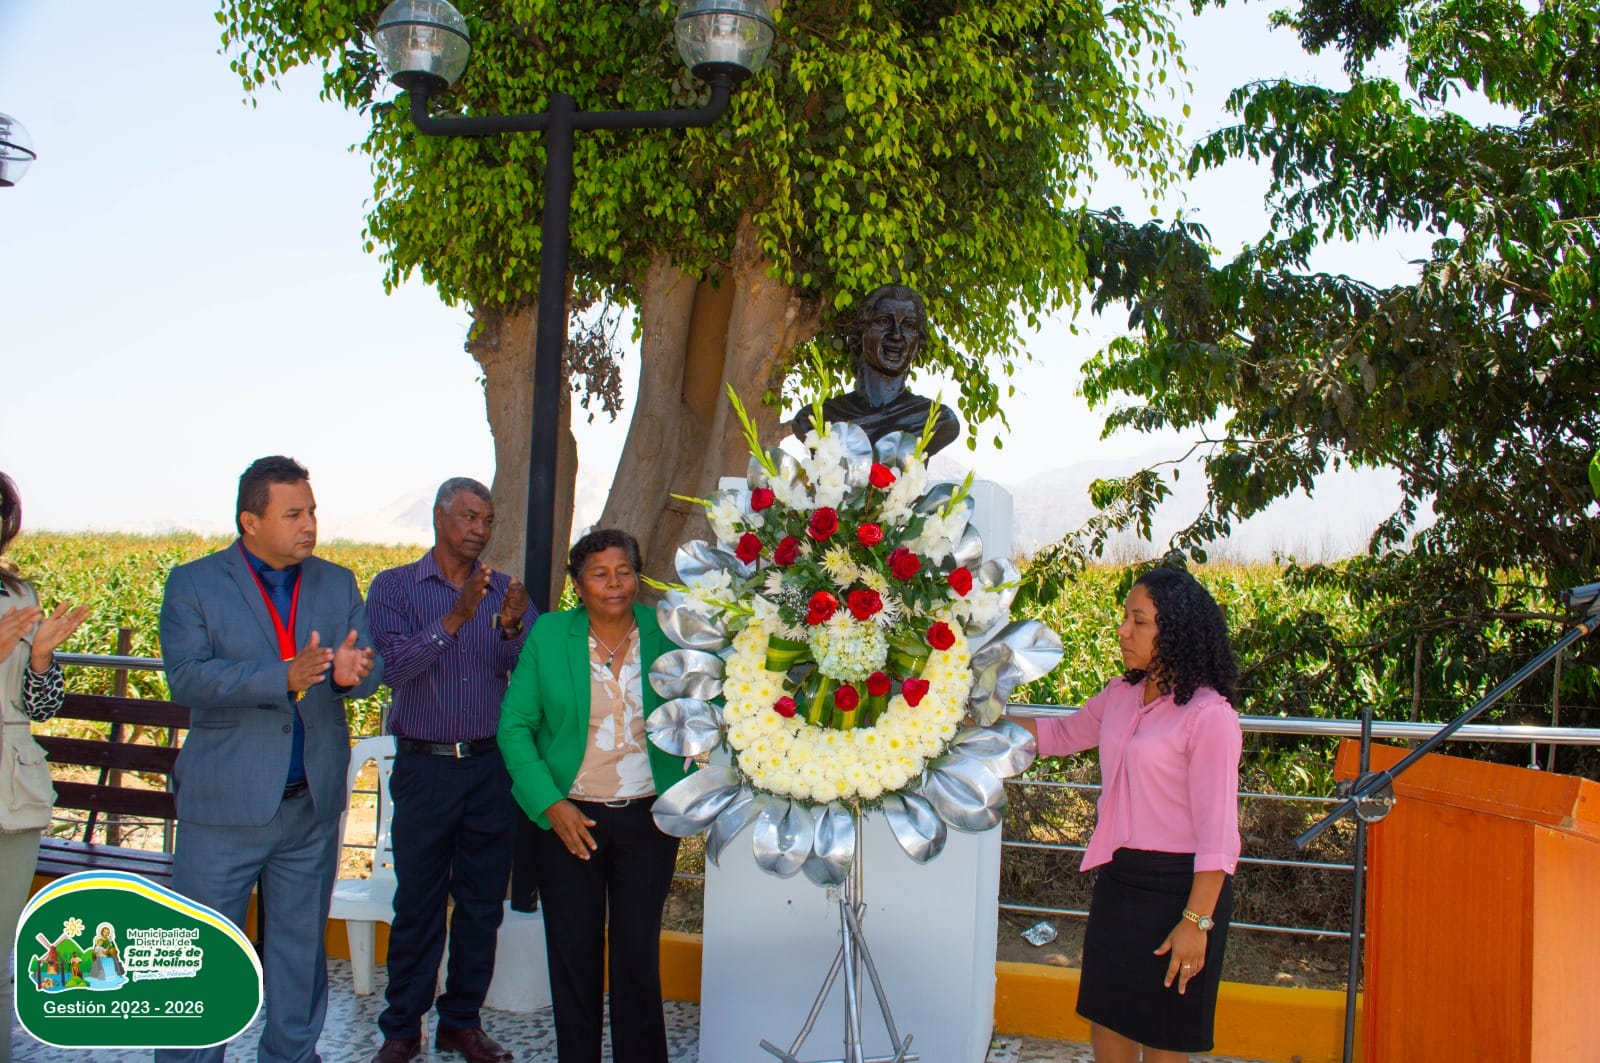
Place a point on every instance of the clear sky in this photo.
(183, 289)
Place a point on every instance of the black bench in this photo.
(109, 799)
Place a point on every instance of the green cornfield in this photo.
(1308, 647)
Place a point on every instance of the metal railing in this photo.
(1293, 726)
(1267, 725)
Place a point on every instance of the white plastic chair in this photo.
(363, 902)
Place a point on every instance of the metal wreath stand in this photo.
(853, 959)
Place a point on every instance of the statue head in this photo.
(888, 331)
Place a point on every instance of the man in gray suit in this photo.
(264, 642)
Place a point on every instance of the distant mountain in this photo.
(1045, 507)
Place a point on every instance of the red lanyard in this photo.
(286, 648)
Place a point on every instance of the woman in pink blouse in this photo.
(1166, 837)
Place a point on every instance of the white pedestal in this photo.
(931, 930)
(521, 979)
(768, 942)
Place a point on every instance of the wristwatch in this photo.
(506, 630)
(1204, 922)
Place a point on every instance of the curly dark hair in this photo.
(1191, 637)
(597, 540)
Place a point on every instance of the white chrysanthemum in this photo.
(837, 564)
(811, 763)
(889, 615)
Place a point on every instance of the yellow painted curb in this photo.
(1255, 1021)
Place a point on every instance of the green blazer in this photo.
(544, 720)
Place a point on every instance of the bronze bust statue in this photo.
(884, 341)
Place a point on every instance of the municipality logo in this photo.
(159, 970)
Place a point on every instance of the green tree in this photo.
(1475, 381)
(936, 143)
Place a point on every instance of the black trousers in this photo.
(454, 821)
(622, 886)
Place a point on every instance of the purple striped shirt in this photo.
(447, 688)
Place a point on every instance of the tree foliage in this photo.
(1476, 381)
(937, 144)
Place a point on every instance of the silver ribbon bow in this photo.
(966, 795)
(684, 727)
(691, 804)
(687, 674)
(915, 825)
(781, 837)
(833, 845)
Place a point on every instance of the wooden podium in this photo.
(1483, 914)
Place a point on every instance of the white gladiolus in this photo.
(725, 514)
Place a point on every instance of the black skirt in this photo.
(1138, 898)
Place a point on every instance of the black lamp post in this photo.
(424, 47)
(16, 151)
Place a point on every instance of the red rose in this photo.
(940, 637)
(877, 684)
(914, 690)
(761, 498)
(864, 603)
(784, 706)
(870, 534)
(960, 581)
(846, 698)
(903, 564)
(749, 548)
(821, 607)
(824, 522)
(788, 551)
(881, 476)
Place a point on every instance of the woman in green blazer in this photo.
(572, 734)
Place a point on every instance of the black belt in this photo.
(473, 748)
(295, 789)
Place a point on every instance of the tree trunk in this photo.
(502, 342)
(698, 339)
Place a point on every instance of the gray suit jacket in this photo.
(223, 663)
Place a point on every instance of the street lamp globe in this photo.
(16, 151)
(728, 37)
(422, 43)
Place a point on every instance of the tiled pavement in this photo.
(351, 1036)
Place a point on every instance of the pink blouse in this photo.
(1169, 773)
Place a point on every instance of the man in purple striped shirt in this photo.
(450, 631)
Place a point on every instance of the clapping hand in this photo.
(53, 631)
(473, 589)
(514, 606)
(351, 664)
(308, 667)
(14, 623)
